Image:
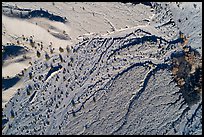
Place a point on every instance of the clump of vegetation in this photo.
(32, 43)
(41, 47)
(61, 49)
(24, 56)
(23, 37)
(18, 42)
(30, 75)
(47, 57)
(40, 77)
(18, 93)
(68, 49)
(94, 99)
(72, 59)
(69, 64)
(38, 54)
(61, 59)
(73, 113)
(25, 69)
(11, 11)
(64, 70)
(12, 114)
(51, 50)
(187, 72)
(73, 103)
(194, 5)
(28, 92)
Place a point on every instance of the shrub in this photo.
(72, 59)
(40, 77)
(24, 56)
(11, 11)
(94, 99)
(73, 103)
(73, 113)
(9, 126)
(28, 92)
(68, 49)
(47, 57)
(21, 15)
(194, 5)
(51, 51)
(23, 37)
(30, 75)
(18, 93)
(38, 54)
(61, 49)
